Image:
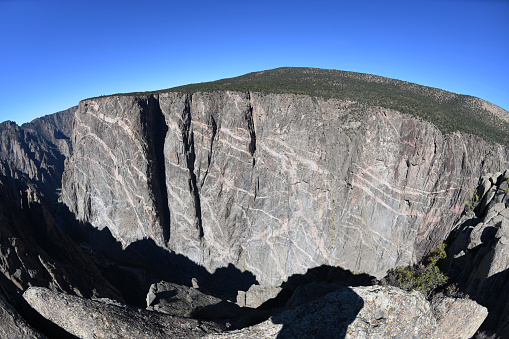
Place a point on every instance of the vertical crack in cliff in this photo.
(155, 130)
(188, 141)
(212, 125)
(251, 128)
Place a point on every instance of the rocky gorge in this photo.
(255, 213)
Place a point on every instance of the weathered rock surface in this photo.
(479, 250)
(274, 184)
(12, 325)
(86, 318)
(256, 295)
(360, 312)
(183, 301)
(457, 317)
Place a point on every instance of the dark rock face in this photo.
(12, 325)
(25, 155)
(35, 251)
(479, 250)
(35, 152)
(55, 128)
(274, 184)
(86, 318)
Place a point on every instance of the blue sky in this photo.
(55, 53)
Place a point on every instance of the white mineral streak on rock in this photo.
(274, 184)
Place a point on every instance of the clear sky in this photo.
(55, 53)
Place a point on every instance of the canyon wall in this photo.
(273, 184)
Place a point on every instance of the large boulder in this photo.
(457, 318)
(86, 318)
(256, 295)
(184, 301)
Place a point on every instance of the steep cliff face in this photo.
(25, 155)
(273, 183)
(55, 128)
(35, 152)
(479, 250)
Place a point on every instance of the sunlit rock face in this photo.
(271, 183)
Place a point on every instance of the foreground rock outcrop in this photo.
(351, 312)
(457, 317)
(273, 184)
(366, 312)
(86, 318)
(479, 249)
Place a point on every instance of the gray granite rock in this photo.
(26, 155)
(12, 325)
(273, 184)
(478, 254)
(86, 318)
(457, 318)
(35, 152)
(55, 128)
(370, 312)
(188, 302)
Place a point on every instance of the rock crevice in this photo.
(273, 183)
(190, 154)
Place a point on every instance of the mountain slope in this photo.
(448, 111)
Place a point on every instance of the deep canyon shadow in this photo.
(133, 269)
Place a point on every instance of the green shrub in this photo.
(424, 277)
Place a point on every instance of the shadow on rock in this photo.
(315, 283)
(319, 303)
(478, 250)
(326, 317)
(133, 269)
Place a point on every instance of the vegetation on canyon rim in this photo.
(448, 111)
(424, 277)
